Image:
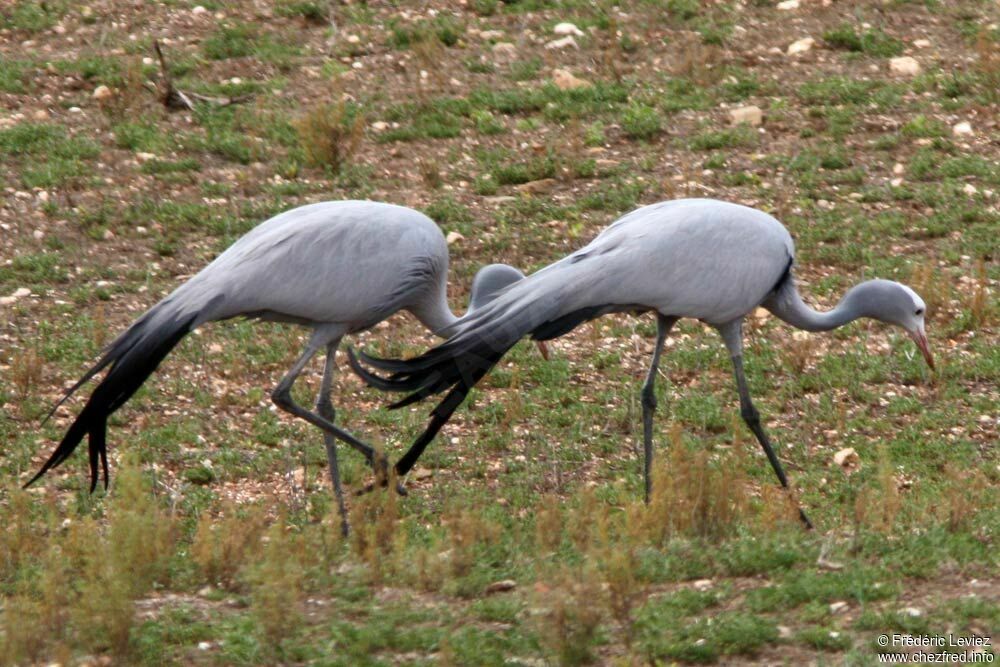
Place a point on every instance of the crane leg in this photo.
(324, 406)
(663, 326)
(282, 397)
(732, 333)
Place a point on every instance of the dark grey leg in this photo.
(732, 333)
(663, 326)
(324, 406)
(282, 397)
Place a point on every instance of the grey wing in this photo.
(348, 262)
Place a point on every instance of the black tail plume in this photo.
(133, 357)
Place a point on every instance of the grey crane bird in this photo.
(338, 267)
(700, 258)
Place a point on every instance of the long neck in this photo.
(434, 312)
(787, 305)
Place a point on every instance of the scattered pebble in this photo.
(911, 611)
(970, 189)
(898, 168)
(562, 43)
(905, 66)
(40, 114)
(567, 29)
(102, 93)
(564, 80)
(784, 632)
(38, 234)
(454, 237)
(501, 586)
(846, 458)
(703, 584)
(380, 126)
(199, 10)
(504, 51)
(752, 115)
(962, 129)
(788, 4)
(489, 35)
(837, 607)
(921, 43)
(801, 46)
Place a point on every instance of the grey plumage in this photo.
(337, 267)
(699, 258)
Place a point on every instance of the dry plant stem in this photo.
(173, 98)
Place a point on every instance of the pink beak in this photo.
(920, 338)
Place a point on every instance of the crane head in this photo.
(489, 283)
(894, 303)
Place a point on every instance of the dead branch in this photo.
(173, 98)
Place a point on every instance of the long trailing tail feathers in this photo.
(133, 357)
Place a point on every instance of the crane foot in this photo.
(805, 520)
(371, 486)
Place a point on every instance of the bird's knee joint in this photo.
(750, 415)
(648, 398)
(281, 397)
(325, 410)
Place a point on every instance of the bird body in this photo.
(337, 267)
(302, 266)
(700, 258)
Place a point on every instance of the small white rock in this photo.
(896, 182)
(911, 611)
(921, 43)
(962, 129)
(837, 607)
(800, 46)
(40, 114)
(145, 157)
(703, 584)
(562, 43)
(751, 115)
(199, 10)
(504, 50)
(566, 28)
(353, 39)
(102, 93)
(380, 125)
(905, 66)
(453, 237)
(75, 109)
(21, 292)
(846, 457)
(788, 4)
(38, 234)
(898, 168)
(204, 646)
(489, 35)
(784, 632)
(970, 189)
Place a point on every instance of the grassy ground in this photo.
(524, 539)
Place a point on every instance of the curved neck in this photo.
(787, 305)
(435, 314)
